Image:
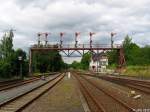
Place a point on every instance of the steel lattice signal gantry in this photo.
(69, 49)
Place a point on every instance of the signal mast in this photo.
(112, 41)
(46, 39)
(91, 34)
(61, 38)
(76, 36)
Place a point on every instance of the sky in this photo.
(28, 17)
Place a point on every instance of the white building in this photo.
(99, 62)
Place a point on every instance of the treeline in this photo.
(48, 62)
(84, 63)
(10, 63)
(134, 54)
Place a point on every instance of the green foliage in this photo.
(76, 65)
(85, 61)
(112, 57)
(24, 62)
(131, 51)
(47, 61)
(5, 69)
(137, 71)
(84, 64)
(9, 64)
(6, 46)
(134, 55)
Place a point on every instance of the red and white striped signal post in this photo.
(91, 34)
(76, 36)
(61, 40)
(112, 41)
(39, 41)
(39, 38)
(46, 40)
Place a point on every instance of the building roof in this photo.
(98, 56)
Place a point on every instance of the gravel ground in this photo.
(109, 104)
(7, 94)
(123, 93)
(63, 97)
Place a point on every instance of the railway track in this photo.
(92, 102)
(20, 102)
(17, 82)
(8, 81)
(100, 100)
(142, 86)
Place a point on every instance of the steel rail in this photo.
(110, 95)
(6, 103)
(140, 87)
(143, 86)
(16, 84)
(94, 100)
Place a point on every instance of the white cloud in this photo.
(101, 16)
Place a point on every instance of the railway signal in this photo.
(39, 38)
(68, 50)
(91, 34)
(112, 41)
(76, 36)
(45, 35)
(61, 40)
(20, 61)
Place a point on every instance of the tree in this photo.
(9, 64)
(6, 46)
(19, 52)
(85, 61)
(131, 51)
(47, 61)
(6, 55)
(134, 55)
(76, 65)
(112, 57)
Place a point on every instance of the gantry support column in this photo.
(121, 58)
(30, 62)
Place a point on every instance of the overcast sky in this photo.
(28, 17)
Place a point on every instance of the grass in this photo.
(137, 71)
